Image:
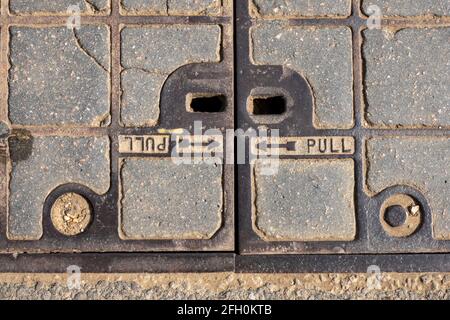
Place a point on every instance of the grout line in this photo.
(4, 63)
(4, 161)
(115, 103)
(358, 113)
(115, 64)
(118, 19)
(361, 218)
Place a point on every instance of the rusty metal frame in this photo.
(102, 235)
(367, 208)
(246, 252)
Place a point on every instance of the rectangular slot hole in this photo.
(209, 104)
(263, 106)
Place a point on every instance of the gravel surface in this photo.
(226, 286)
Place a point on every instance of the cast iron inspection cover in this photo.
(220, 135)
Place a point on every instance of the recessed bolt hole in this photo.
(207, 103)
(263, 106)
(400, 215)
(395, 216)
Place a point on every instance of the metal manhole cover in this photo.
(216, 136)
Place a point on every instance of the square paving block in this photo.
(59, 76)
(175, 7)
(405, 8)
(420, 162)
(322, 55)
(161, 199)
(305, 200)
(300, 8)
(407, 75)
(148, 60)
(40, 165)
(59, 7)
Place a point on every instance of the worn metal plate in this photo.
(363, 136)
(219, 135)
(95, 91)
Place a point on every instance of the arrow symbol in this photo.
(208, 144)
(289, 146)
